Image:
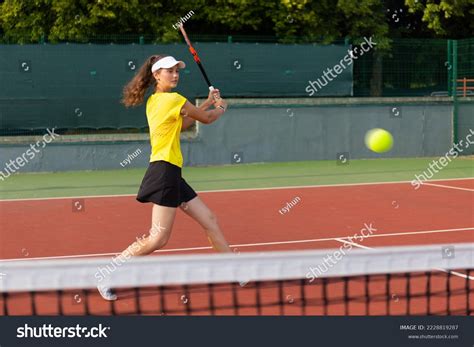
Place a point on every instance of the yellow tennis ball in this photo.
(379, 140)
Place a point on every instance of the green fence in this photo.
(77, 87)
(461, 59)
(414, 67)
(71, 86)
(410, 68)
(466, 58)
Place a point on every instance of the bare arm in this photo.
(187, 122)
(191, 112)
(203, 116)
(206, 104)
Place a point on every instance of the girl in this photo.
(167, 114)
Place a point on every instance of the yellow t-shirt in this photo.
(165, 121)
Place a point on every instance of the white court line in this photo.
(450, 187)
(242, 245)
(421, 232)
(353, 243)
(455, 273)
(238, 190)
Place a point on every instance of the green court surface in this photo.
(127, 181)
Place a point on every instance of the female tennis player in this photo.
(168, 113)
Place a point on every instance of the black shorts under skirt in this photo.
(164, 186)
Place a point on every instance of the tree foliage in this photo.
(23, 21)
(446, 18)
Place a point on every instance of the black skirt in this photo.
(164, 186)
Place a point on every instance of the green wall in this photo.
(79, 86)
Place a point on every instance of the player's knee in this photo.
(159, 241)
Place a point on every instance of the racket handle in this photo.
(211, 88)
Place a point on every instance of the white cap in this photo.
(166, 63)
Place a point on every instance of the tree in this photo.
(446, 18)
(26, 21)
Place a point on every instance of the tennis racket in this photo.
(196, 57)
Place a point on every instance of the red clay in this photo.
(108, 225)
(44, 228)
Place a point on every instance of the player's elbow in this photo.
(205, 117)
(208, 119)
(201, 118)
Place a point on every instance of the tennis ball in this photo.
(378, 140)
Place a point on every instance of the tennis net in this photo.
(410, 280)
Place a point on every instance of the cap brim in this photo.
(180, 64)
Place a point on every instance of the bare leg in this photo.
(197, 210)
(161, 224)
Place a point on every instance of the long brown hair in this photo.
(134, 91)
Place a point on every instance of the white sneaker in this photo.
(107, 293)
